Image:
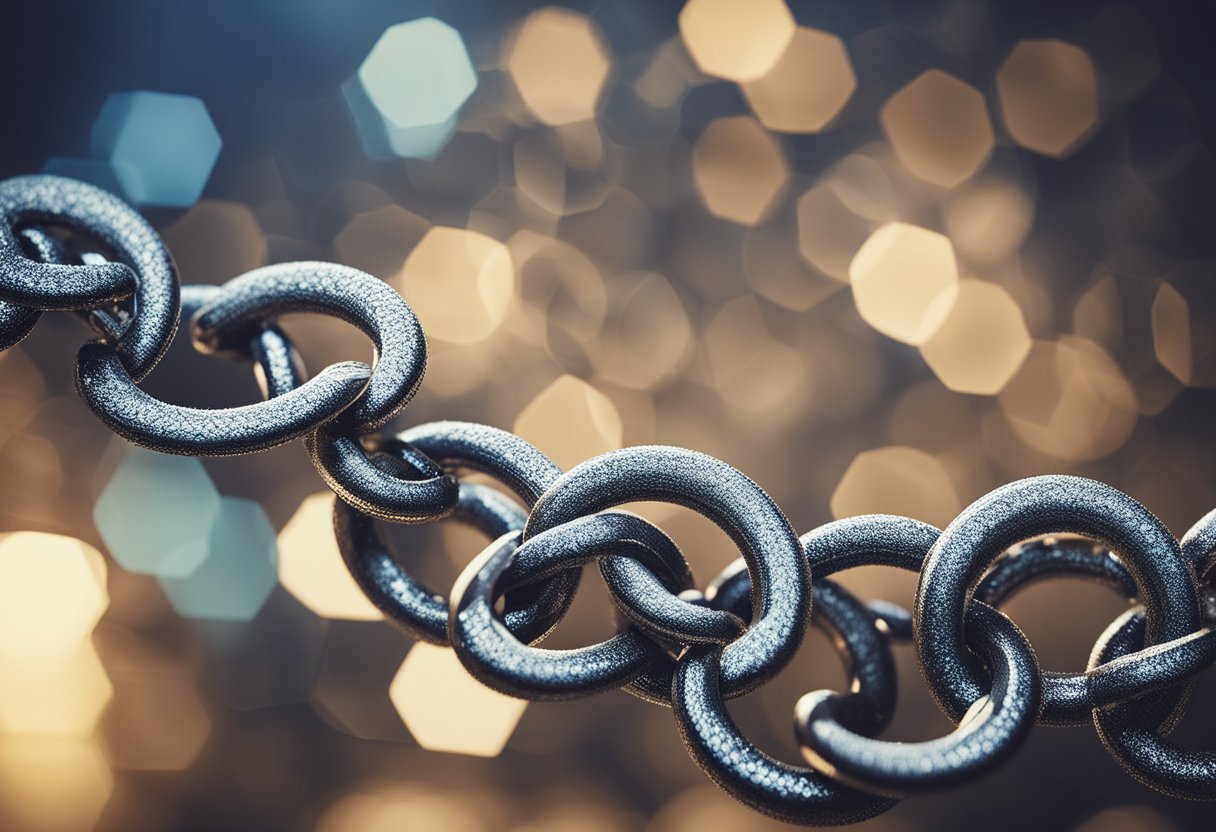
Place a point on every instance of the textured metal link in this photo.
(65, 245)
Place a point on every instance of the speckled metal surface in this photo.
(490, 653)
(1130, 733)
(417, 492)
(409, 604)
(994, 727)
(675, 646)
(780, 578)
(116, 400)
(145, 272)
(16, 321)
(402, 473)
(1017, 512)
(790, 793)
(1070, 698)
(372, 305)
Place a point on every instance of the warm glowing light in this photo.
(559, 63)
(52, 594)
(157, 721)
(1049, 96)
(214, 241)
(736, 41)
(59, 785)
(62, 698)
(446, 709)
(161, 147)
(905, 281)
(646, 334)
(1172, 332)
(807, 87)
(562, 170)
(570, 421)
(394, 807)
(939, 128)
(460, 283)
(752, 372)
(982, 342)
(739, 169)
(378, 240)
(829, 233)
(897, 480)
(176, 504)
(1070, 401)
(988, 219)
(311, 567)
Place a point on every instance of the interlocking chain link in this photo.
(65, 245)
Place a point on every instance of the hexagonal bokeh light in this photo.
(156, 512)
(939, 128)
(161, 147)
(733, 40)
(807, 87)
(739, 170)
(1048, 91)
(409, 89)
(905, 281)
(239, 572)
(559, 64)
(52, 593)
(446, 709)
(570, 421)
(982, 343)
(311, 567)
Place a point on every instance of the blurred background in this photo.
(879, 256)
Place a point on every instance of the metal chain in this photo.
(65, 245)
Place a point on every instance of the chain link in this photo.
(65, 245)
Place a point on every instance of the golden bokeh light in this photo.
(905, 281)
(709, 809)
(1070, 401)
(215, 241)
(829, 234)
(570, 421)
(563, 170)
(807, 87)
(559, 63)
(396, 807)
(1048, 93)
(558, 289)
(460, 283)
(1171, 319)
(988, 219)
(733, 40)
(446, 709)
(156, 722)
(64, 698)
(897, 480)
(311, 566)
(59, 785)
(982, 342)
(753, 373)
(1127, 819)
(739, 169)
(378, 240)
(52, 594)
(646, 335)
(939, 128)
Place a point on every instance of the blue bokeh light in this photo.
(408, 92)
(161, 147)
(240, 571)
(156, 513)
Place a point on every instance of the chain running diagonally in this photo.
(65, 245)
